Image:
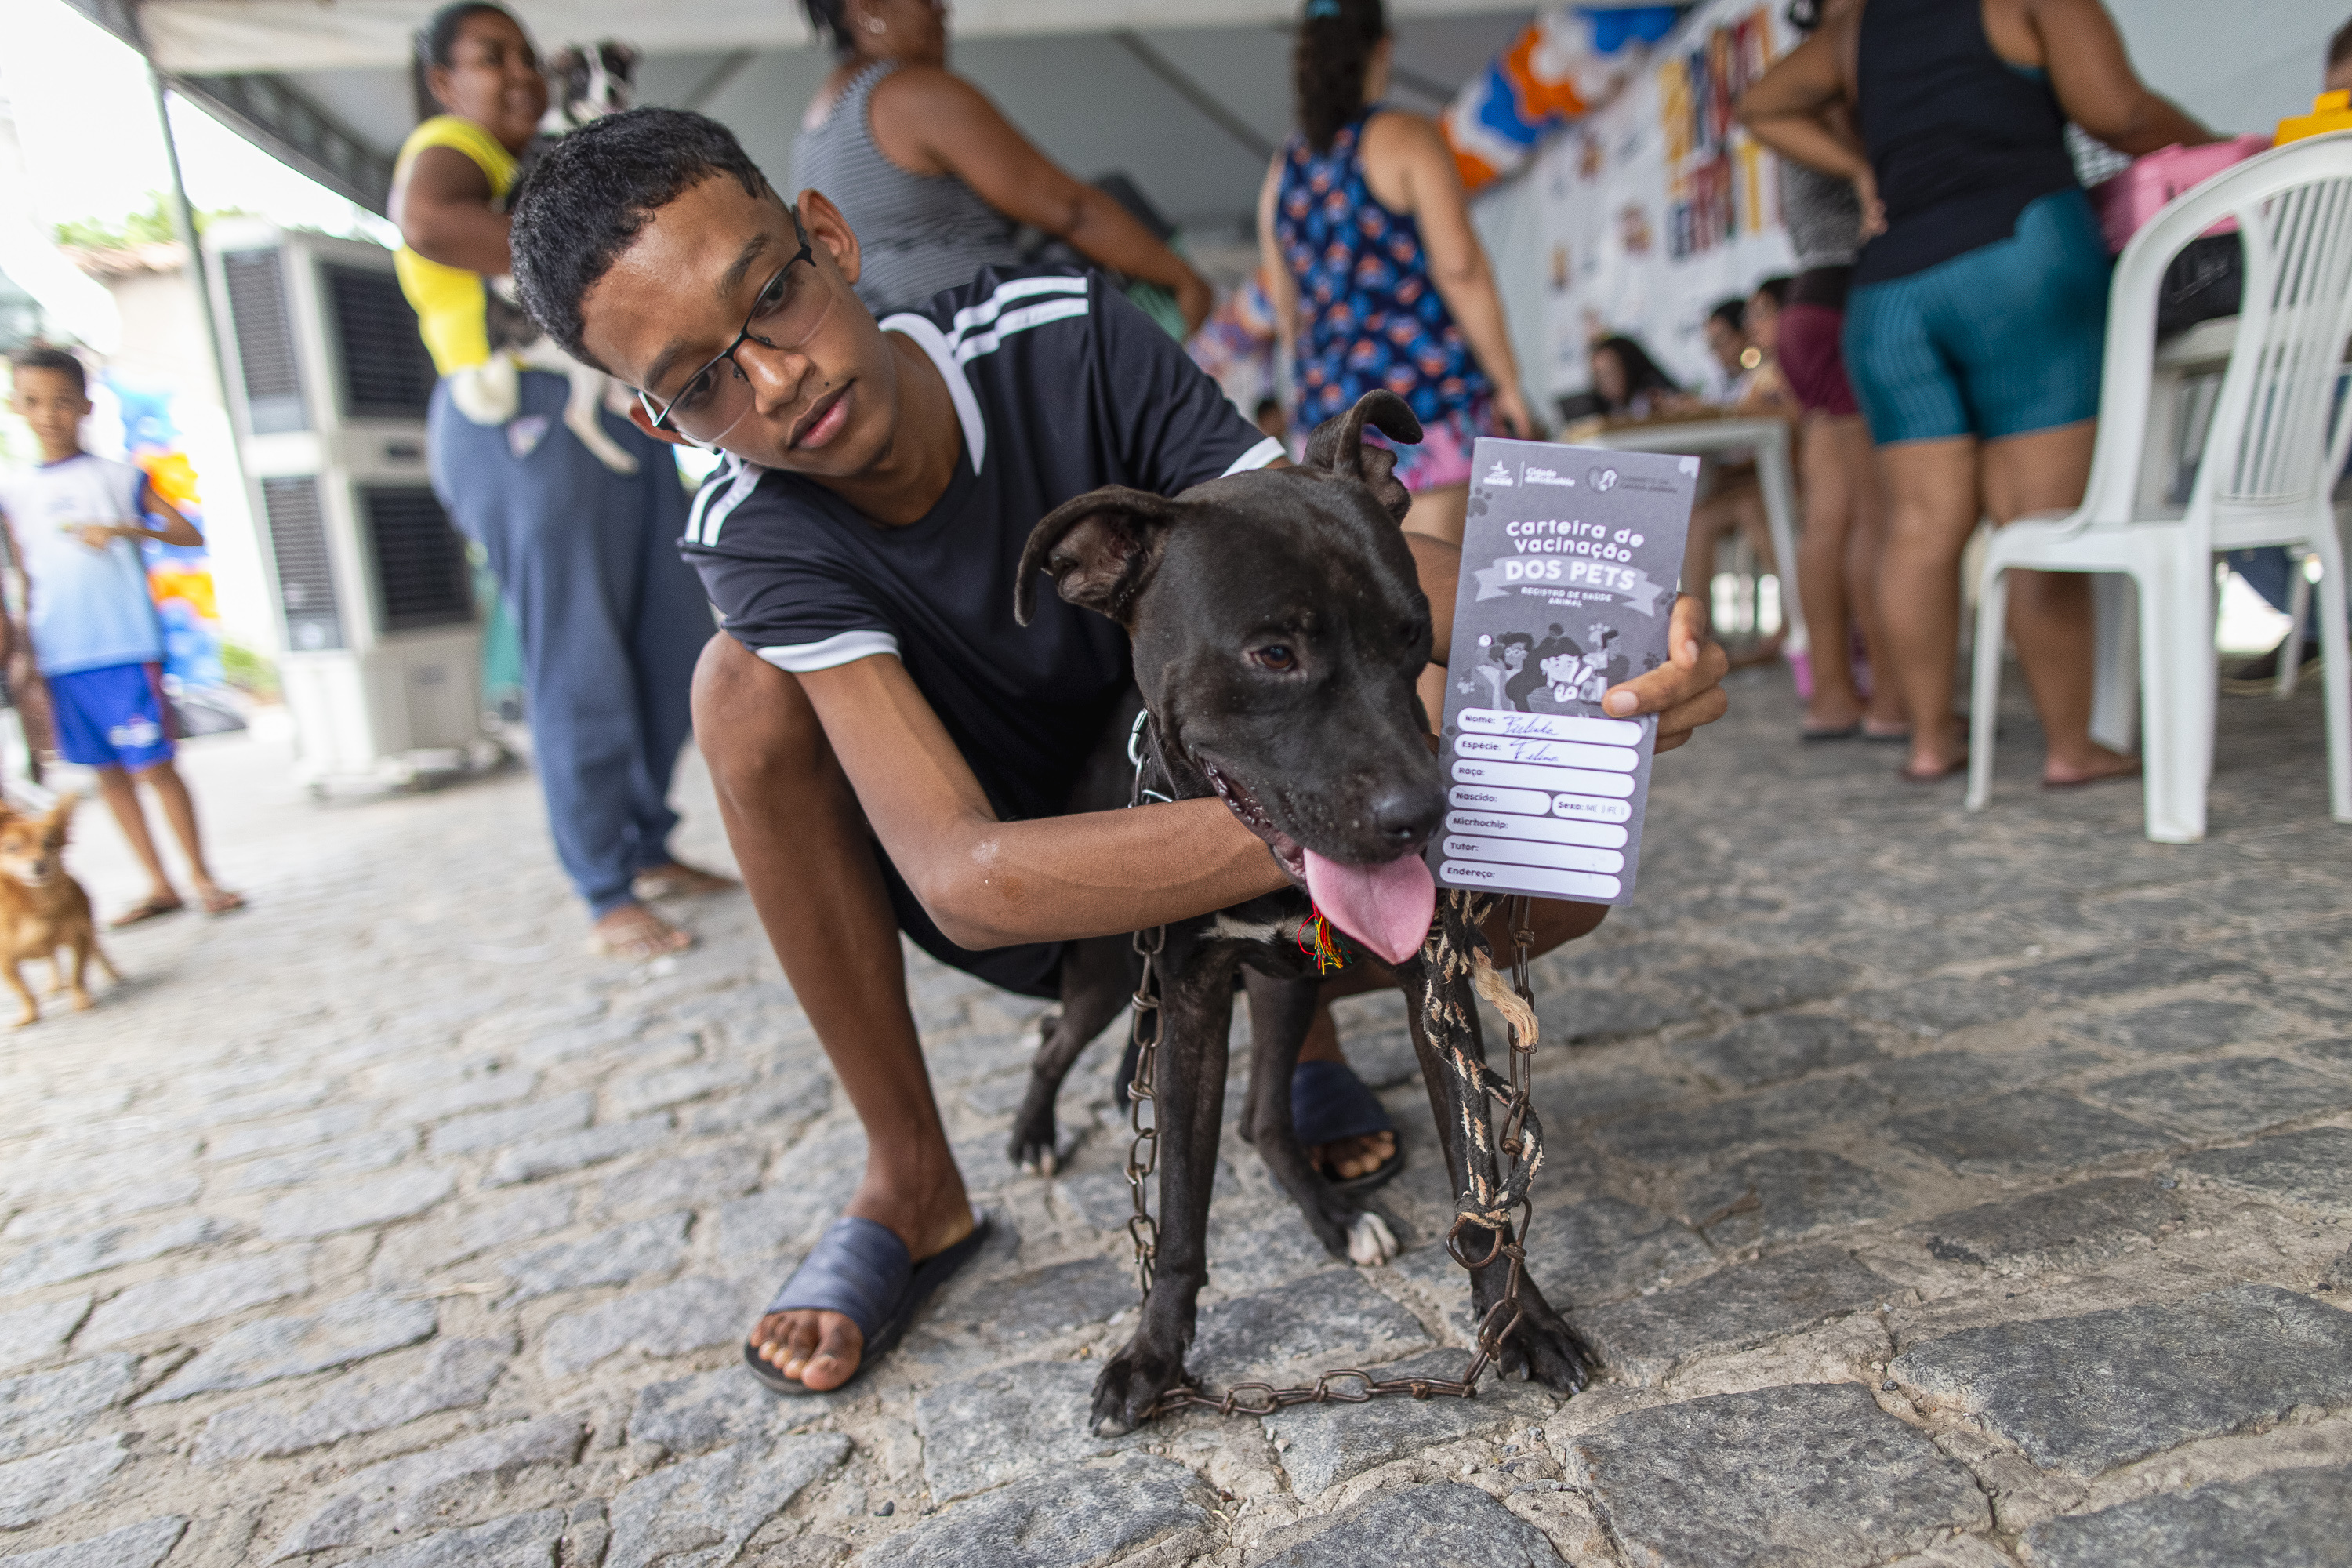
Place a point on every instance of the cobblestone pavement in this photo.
(1944, 1190)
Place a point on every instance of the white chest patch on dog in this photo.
(1231, 929)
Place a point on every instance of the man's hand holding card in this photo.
(1572, 664)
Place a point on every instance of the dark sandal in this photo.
(860, 1269)
(1328, 1103)
(145, 910)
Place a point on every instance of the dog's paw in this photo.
(1371, 1243)
(1036, 1147)
(1130, 1386)
(1545, 1349)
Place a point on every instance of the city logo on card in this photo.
(1531, 475)
(1604, 479)
(1499, 475)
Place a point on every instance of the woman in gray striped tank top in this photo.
(935, 181)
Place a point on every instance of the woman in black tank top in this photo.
(1974, 328)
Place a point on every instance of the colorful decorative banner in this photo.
(180, 578)
(1659, 205)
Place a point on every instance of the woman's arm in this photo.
(1796, 108)
(1281, 283)
(930, 120)
(1422, 171)
(442, 206)
(2095, 84)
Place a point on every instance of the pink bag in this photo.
(2126, 202)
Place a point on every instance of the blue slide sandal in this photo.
(1328, 1103)
(861, 1269)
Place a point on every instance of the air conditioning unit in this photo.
(383, 654)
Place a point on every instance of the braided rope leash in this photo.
(1502, 1157)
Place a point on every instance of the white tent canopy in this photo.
(1187, 101)
(207, 38)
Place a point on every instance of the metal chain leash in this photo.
(1457, 946)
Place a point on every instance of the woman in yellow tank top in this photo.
(610, 618)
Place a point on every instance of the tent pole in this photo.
(184, 222)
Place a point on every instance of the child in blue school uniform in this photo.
(79, 524)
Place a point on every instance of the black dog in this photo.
(1279, 626)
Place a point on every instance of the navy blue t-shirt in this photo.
(1061, 386)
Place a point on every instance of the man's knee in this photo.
(752, 719)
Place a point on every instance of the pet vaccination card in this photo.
(1568, 565)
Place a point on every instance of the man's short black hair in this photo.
(43, 358)
(1732, 313)
(594, 190)
(2339, 48)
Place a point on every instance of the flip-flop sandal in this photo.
(221, 902)
(149, 909)
(861, 1269)
(1328, 1103)
(1845, 732)
(1899, 735)
(675, 881)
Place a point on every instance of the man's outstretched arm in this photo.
(988, 883)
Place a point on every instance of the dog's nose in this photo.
(1406, 818)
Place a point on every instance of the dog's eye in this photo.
(1277, 656)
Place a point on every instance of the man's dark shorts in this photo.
(1031, 969)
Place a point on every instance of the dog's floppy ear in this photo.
(1338, 445)
(1100, 548)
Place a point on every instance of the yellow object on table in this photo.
(2329, 112)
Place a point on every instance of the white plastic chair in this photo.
(2270, 459)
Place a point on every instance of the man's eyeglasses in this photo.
(788, 310)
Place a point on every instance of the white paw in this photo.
(1048, 1162)
(1370, 1243)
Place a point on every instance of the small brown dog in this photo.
(44, 911)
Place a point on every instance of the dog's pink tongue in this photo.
(1386, 907)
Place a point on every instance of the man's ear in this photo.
(1101, 548)
(1337, 446)
(644, 422)
(830, 231)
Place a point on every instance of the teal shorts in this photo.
(2003, 340)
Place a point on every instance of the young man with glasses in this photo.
(890, 750)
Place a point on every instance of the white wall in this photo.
(2241, 67)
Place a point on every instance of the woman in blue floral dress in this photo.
(1377, 277)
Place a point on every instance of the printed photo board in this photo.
(1568, 565)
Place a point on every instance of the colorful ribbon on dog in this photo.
(1315, 941)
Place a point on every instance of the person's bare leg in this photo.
(1823, 556)
(1440, 513)
(121, 797)
(1932, 509)
(1865, 550)
(808, 862)
(180, 811)
(1712, 521)
(2050, 612)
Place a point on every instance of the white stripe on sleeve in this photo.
(842, 647)
(1257, 456)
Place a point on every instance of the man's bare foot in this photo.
(634, 931)
(2092, 764)
(676, 879)
(1347, 1158)
(821, 1350)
